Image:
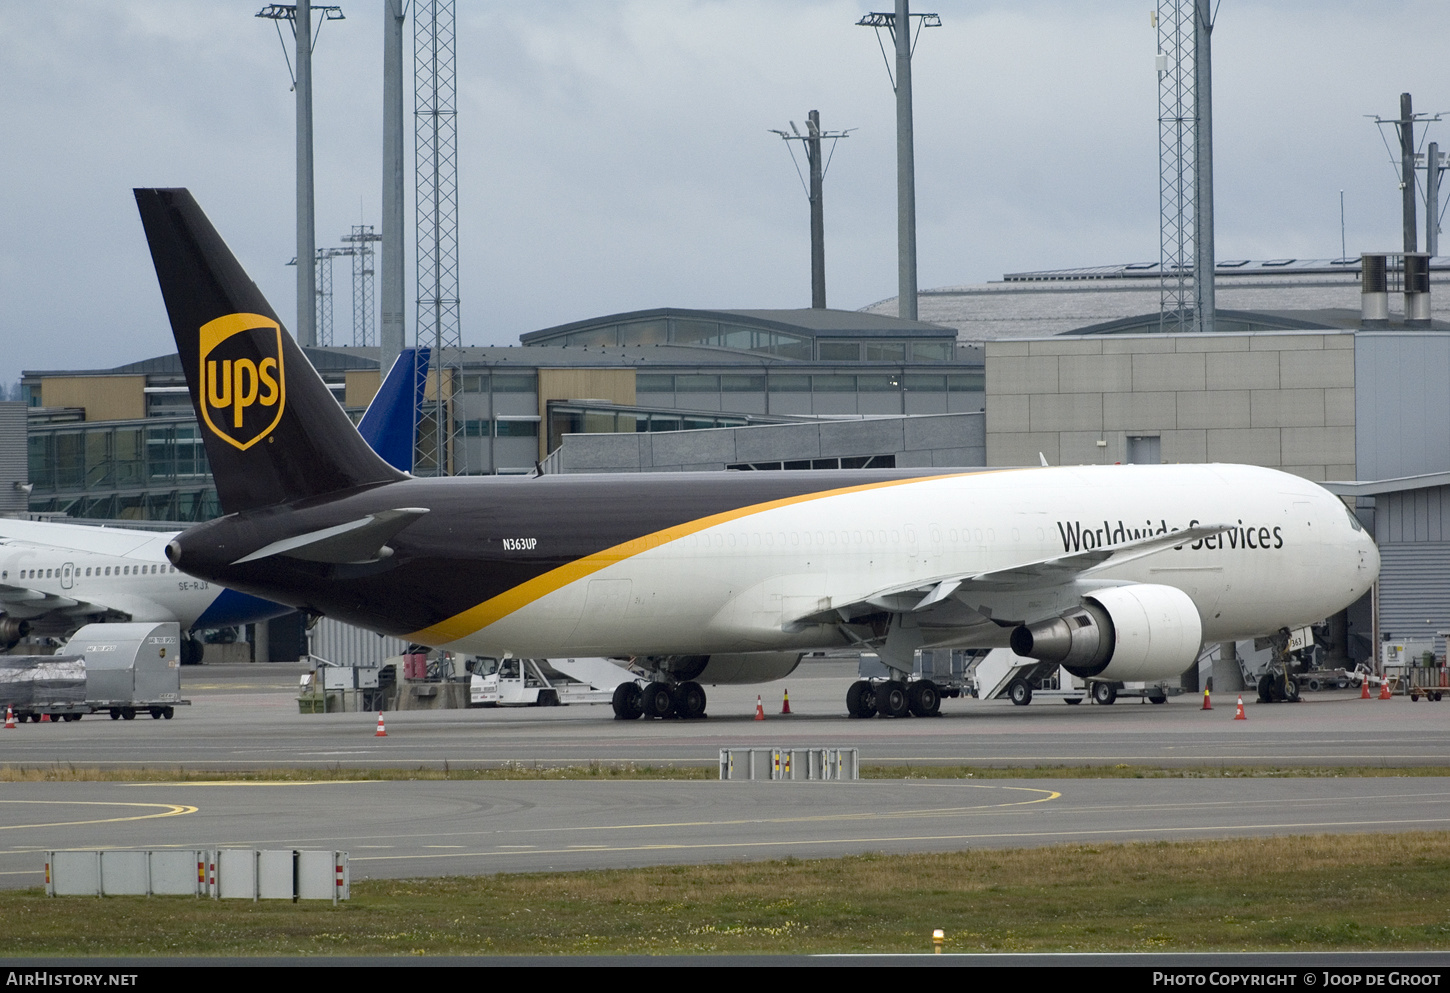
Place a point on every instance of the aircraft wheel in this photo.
(891, 699)
(1288, 688)
(628, 702)
(659, 700)
(1267, 692)
(1104, 693)
(1019, 693)
(690, 700)
(923, 698)
(861, 699)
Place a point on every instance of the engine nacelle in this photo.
(741, 667)
(11, 631)
(1124, 633)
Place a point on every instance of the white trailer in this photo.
(542, 683)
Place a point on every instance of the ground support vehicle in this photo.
(120, 669)
(1105, 692)
(131, 668)
(1423, 682)
(32, 685)
(536, 683)
(1315, 680)
(1002, 673)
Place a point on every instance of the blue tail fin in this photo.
(391, 422)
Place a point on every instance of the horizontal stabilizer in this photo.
(363, 540)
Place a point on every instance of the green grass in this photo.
(1385, 892)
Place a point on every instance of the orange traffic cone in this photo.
(1384, 689)
(785, 707)
(1364, 689)
(1239, 713)
(759, 709)
(1206, 704)
(9, 717)
(382, 731)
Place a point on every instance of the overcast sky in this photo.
(616, 155)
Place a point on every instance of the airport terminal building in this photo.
(1072, 366)
(122, 444)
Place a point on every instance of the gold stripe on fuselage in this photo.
(477, 618)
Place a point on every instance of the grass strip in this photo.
(630, 771)
(1327, 892)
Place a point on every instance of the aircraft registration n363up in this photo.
(1117, 572)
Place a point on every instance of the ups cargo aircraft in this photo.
(56, 577)
(1116, 572)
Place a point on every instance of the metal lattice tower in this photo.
(440, 442)
(1177, 127)
(322, 293)
(364, 321)
(1185, 165)
(324, 296)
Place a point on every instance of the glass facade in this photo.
(579, 418)
(746, 338)
(691, 331)
(154, 469)
(882, 382)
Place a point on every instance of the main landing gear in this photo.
(893, 698)
(659, 700)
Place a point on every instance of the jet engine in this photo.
(1123, 633)
(11, 631)
(738, 667)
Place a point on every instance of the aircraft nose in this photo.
(1369, 560)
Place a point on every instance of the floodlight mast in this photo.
(300, 16)
(899, 25)
(812, 142)
(1405, 132)
(391, 330)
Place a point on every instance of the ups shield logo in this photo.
(243, 390)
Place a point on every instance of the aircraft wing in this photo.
(1042, 574)
(23, 603)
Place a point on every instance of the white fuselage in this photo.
(63, 569)
(1292, 557)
